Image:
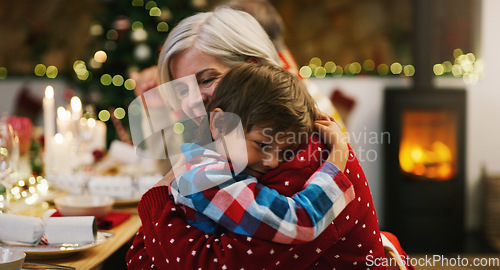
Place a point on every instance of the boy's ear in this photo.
(253, 59)
(217, 123)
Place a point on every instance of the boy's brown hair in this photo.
(265, 96)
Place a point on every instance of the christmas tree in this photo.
(125, 36)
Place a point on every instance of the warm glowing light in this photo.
(330, 67)
(49, 92)
(106, 79)
(457, 52)
(396, 68)
(51, 72)
(104, 115)
(456, 70)
(155, 12)
(369, 65)
(91, 122)
(118, 80)
(58, 138)
(383, 69)
(40, 70)
(137, 3)
(339, 71)
(139, 35)
(63, 114)
(76, 104)
(137, 25)
(3, 73)
(100, 56)
(119, 113)
(315, 61)
(178, 128)
(409, 70)
(150, 5)
(320, 72)
(112, 34)
(162, 27)
(438, 69)
(447, 66)
(305, 72)
(129, 84)
(355, 68)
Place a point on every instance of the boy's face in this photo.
(265, 151)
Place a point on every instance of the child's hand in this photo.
(333, 137)
(329, 130)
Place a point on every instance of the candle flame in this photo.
(91, 123)
(49, 92)
(59, 138)
(63, 114)
(76, 103)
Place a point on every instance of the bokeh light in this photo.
(100, 56)
(383, 69)
(40, 70)
(104, 115)
(162, 27)
(396, 68)
(3, 73)
(129, 84)
(106, 79)
(119, 113)
(118, 80)
(305, 72)
(51, 72)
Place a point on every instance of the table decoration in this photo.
(20, 228)
(75, 230)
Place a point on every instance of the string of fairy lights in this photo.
(465, 66)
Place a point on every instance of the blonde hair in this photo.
(229, 35)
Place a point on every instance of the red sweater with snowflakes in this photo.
(352, 241)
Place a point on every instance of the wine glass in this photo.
(8, 152)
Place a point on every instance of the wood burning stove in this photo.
(425, 168)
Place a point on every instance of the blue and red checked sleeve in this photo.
(242, 205)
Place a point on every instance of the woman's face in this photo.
(206, 68)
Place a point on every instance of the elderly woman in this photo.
(207, 45)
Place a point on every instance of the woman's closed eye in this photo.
(207, 82)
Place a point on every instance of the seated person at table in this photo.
(277, 114)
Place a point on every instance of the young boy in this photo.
(276, 112)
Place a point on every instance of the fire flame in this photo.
(435, 163)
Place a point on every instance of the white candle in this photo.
(48, 118)
(76, 108)
(62, 158)
(100, 135)
(63, 120)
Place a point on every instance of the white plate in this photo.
(52, 251)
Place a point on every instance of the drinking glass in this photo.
(8, 152)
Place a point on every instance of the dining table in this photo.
(94, 257)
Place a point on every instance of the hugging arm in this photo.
(166, 241)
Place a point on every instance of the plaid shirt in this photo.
(213, 197)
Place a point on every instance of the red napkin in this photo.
(112, 219)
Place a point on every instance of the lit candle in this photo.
(100, 135)
(62, 159)
(48, 117)
(63, 120)
(76, 108)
